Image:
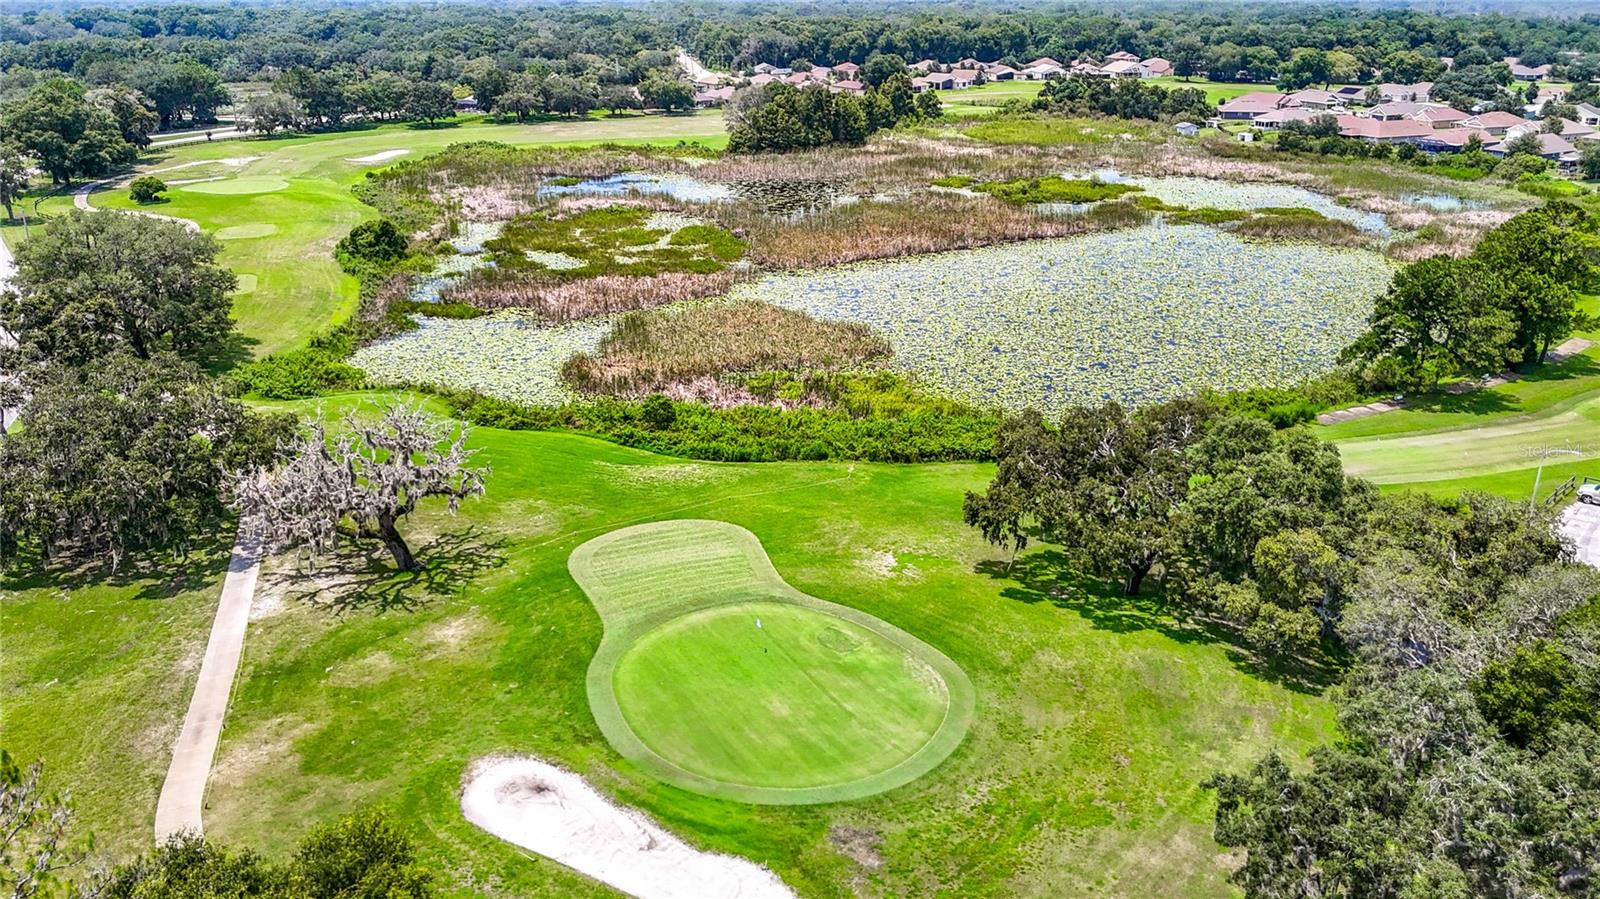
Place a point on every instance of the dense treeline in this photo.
(1469, 758)
(103, 45)
(1508, 302)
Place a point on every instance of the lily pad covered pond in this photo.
(1138, 315)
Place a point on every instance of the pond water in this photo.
(1137, 315)
(468, 243)
(685, 188)
(1445, 202)
(785, 197)
(1198, 193)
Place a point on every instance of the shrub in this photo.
(146, 189)
(375, 241)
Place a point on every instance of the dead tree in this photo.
(359, 482)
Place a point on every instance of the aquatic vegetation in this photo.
(1053, 189)
(651, 351)
(510, 355)
(1206, 193)
(570, 300)
(918, 224)
(1135, 315)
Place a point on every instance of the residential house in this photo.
(762, 79)
(1395, 111)
(1248, 106)
(1383, 131)
(1123, 68)
(1276, 118)
(1408, 93)
(846, 71)
(1453, 140)
(1121, 56)
(467, 103)
(848, 87)
(764, 68)
(933, 81)
(1043, 61)
(1496, 122)
(1438, 115)
(1526, 73)
(1350, 93)
(921, 65)
(1588, 114)
(998, 72)
(1156, 67)
(964, 78)
(1043, 72)
(1315, 99)
(1551, 146)
(1187, 129)
(713, 96)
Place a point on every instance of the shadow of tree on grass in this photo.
(1048, 576)
(361, 577)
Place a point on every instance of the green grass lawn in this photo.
(994, 93)
(1096, 718)
(718, 676)
(1216, 91)
(96, 674)
(1488, 439)
(292, 287)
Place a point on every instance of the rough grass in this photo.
(924, 223)
(1096, 718)
(660, 349)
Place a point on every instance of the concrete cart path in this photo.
(184, 791)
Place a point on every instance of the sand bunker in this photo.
(553, 812)
(385, 156)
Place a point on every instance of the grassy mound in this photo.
(717, 676)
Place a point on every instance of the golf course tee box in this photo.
(717, 676)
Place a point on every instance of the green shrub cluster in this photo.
(1049, 189)
(898, 425)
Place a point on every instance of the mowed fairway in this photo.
(719, 677)
(299, 185)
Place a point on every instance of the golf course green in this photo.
(717, 676)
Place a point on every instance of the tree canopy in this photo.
(92, 284)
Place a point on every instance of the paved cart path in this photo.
(183, 793)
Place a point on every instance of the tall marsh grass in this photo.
(689, 348)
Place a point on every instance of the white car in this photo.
(1589, 493)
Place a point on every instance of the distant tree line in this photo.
(1125, 98)
(778, 117)
(1293, 44)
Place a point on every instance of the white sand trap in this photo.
(553, 812)
(385, 156)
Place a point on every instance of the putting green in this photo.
(245, 232)
(717, 676)
(237, 186)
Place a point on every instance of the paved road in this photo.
(1581, 522)
(183, 793)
